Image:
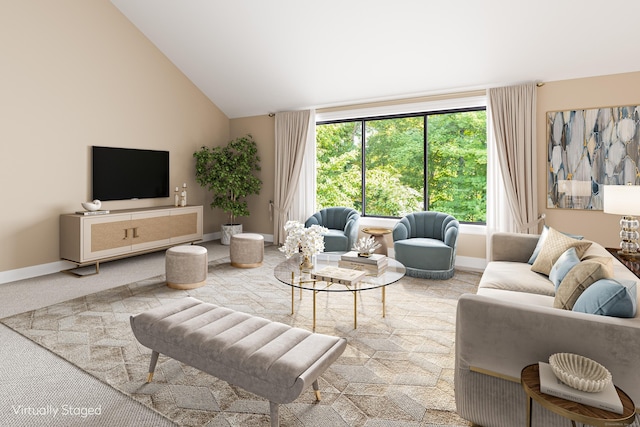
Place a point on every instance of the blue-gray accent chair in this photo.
(425, 242)
(342, 223)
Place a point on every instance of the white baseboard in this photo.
(57, 266)
(470, 263)
(34, 271)
(218, 235)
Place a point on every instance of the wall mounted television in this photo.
(128, 173)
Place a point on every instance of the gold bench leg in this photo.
(316, 389)
(152, 365)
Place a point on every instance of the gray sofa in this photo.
(511, 322)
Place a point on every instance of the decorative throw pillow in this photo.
(554, 245)
(566, 262)
(580, 278)
(608, 297)
(542, 238)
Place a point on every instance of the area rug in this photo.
(396, 371)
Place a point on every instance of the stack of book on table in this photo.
(344, 276)
(103, 212)
(606, 399)
(373, 264)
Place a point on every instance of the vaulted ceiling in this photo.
(253, 57)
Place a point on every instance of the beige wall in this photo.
(604, 91)
(77, 73)
(262, 128)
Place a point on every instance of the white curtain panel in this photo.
(513, 127)
(303, 204)
(293, 130)
(499, 217)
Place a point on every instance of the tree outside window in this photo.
(433, 161)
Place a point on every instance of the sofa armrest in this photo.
(502, 337)
(516, 247)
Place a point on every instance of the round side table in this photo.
(589, 415)
(378, 235)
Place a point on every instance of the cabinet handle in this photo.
(135, 233)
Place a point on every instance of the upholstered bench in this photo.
(270, 359)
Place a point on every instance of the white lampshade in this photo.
(622, 199)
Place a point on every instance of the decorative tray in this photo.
(580, 372)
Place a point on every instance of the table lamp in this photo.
(624, 200)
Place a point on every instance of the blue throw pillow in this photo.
(566, 262)
(608, 297)
(541, 239)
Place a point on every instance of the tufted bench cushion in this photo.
(270, 359)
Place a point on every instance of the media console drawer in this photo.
(86, 239)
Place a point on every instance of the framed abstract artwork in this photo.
(587, 149)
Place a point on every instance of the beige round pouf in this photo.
(247, 250)
(186, 267)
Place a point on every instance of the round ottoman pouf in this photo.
(247, 250)
(186, 267)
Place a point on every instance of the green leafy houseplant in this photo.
(228, 172)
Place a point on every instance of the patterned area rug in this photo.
(396, 371)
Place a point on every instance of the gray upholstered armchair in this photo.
(342, 224)
(425, 242)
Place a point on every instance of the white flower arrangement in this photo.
(366, 246)
(308, 241)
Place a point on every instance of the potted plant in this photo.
(228, 172)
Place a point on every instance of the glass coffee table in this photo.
(289, 273)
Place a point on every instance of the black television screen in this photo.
(126, 173)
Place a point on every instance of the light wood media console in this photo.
(91, 239)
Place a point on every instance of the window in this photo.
(388, 166)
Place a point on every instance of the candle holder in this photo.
(183, 198)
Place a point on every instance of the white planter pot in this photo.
(229, 230)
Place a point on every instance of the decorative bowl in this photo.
(580, 372)
(92, 206)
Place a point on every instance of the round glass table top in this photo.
(289, 273)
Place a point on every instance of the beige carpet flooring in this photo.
(396, 371)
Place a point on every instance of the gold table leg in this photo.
(355, 310)
(314, 309)
(292, 293)
(384, 314)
